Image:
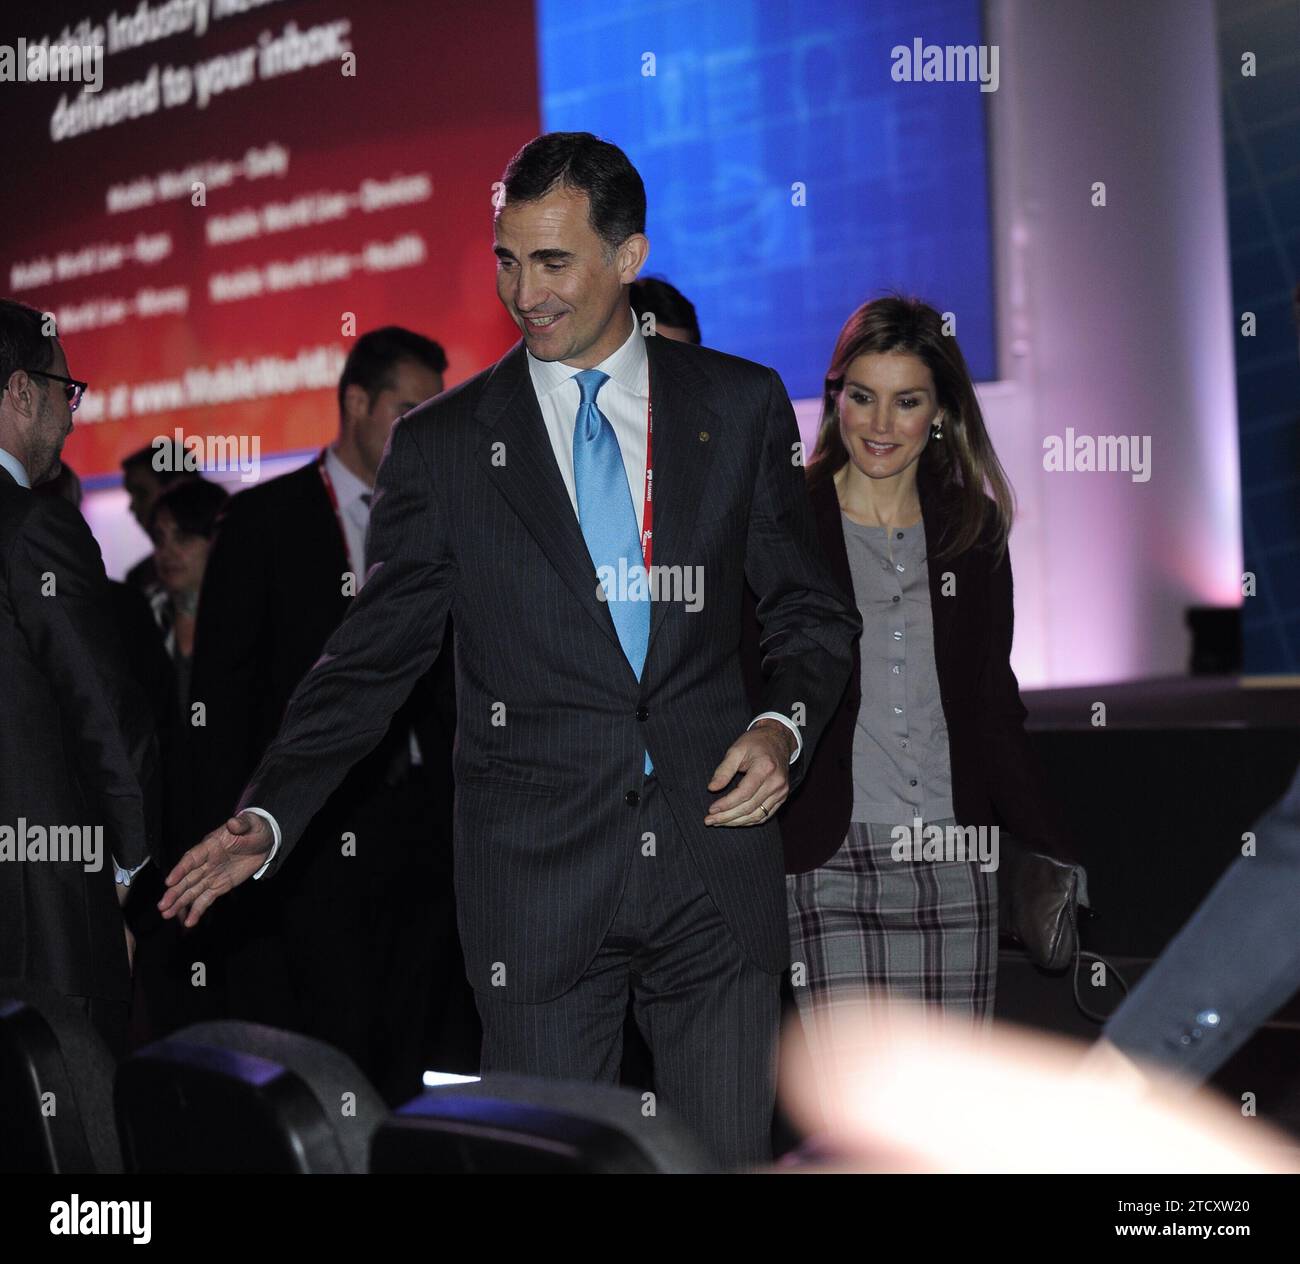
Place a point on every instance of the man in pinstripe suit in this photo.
(597, 843)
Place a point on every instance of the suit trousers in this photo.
(709, 1015)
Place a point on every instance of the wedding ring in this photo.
(762, 809)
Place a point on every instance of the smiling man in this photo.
(601, 848)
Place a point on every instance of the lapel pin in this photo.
(704, 436)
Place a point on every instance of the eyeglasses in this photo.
(72, 389)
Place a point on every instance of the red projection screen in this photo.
(346, 153)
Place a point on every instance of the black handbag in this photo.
(1038, 908)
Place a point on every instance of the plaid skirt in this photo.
(865, 925)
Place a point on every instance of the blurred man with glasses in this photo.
(76, 741)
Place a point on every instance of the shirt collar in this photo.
(627, 366)
(347, 486)
(15, 467)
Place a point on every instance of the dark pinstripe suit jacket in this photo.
(471, 517)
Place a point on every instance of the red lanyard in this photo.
(334, 503)
(647, 512)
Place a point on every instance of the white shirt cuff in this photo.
(275, 830)
(789, 723)
(123, 876)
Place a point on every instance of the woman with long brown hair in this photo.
(886, 891)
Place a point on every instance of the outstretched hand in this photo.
(231, 854)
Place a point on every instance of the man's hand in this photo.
(763, 755)
(225, 858)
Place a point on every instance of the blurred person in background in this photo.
(168, 994)
(157, 633)
(673, 313)
(182, 525)
(144, 483)
(355, 943)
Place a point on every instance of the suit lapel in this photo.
(516, 455)
(686, 435)
(826, 514)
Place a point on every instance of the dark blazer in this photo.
(272, 595)
(76, 747)
(471, 517)
(996, 777)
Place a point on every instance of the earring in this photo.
(936, 430)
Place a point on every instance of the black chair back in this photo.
(56, 1086)
(239, 1097)
(516, 1124)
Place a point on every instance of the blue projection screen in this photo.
(790, 177)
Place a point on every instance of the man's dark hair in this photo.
(23, 345)
(666, 302)
(378, 352)
(142, 459)
(587, 164)
(195, 504)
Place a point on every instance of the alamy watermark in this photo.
(78, 844)
(920, 62)
(684, 584)
(1098, 454)
(946, 843)
(43, 62)
(129, 1218)
(194, 454)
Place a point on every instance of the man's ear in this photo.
(20, 393)
(632, 256)
(356, 403)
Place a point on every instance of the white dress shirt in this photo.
(354, 511)
(624, 400)
(15, 467)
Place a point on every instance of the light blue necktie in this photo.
(608, 520)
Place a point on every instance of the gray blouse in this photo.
(901, 767)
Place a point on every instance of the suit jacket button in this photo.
(643, 713)
(632, 798)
